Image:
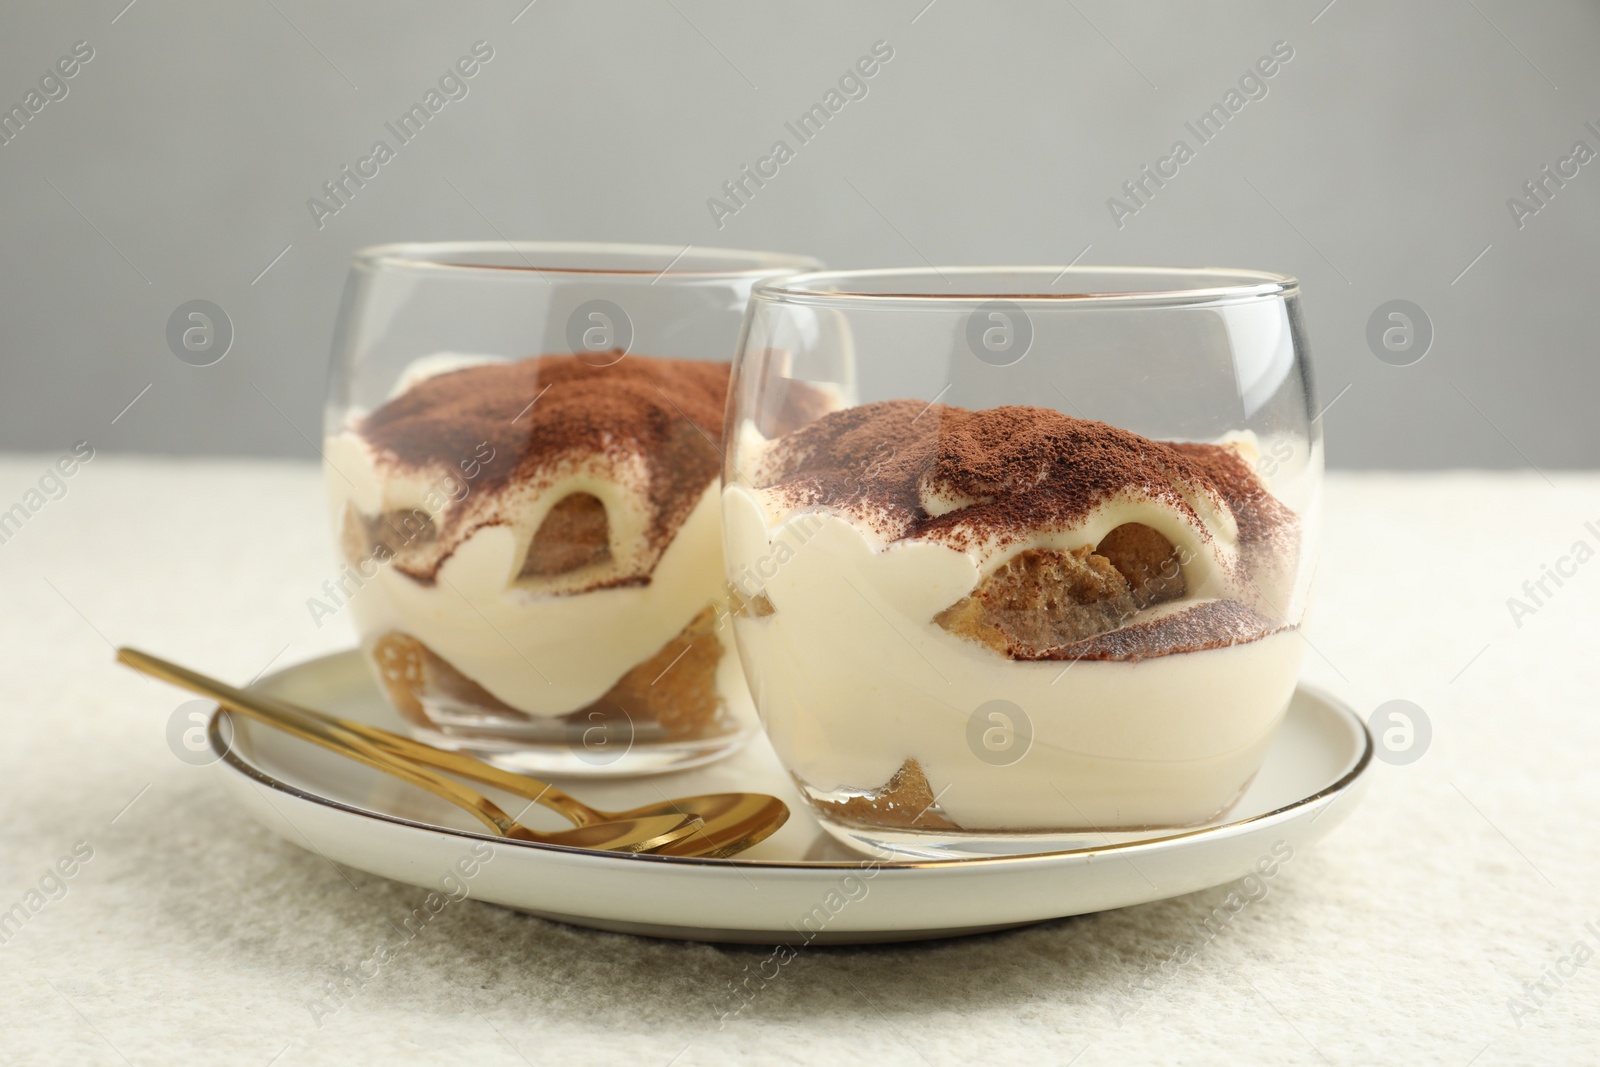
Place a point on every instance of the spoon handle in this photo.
(331, 736)
(520, 785)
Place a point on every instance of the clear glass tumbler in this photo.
(1018, 556)
(522, 450)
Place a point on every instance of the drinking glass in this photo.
(1018, 556)
(522, 450)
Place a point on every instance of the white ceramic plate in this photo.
(797, 887)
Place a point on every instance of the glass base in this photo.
(562, 758)
(887, 843)
(931, 836)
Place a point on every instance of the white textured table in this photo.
(1464, 882)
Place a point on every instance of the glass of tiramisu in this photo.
(522, 450)
(1018, 556)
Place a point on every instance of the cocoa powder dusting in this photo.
(1024, 469)
(1260, 515)
(668, 411)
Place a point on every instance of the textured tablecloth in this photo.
(1445, 922)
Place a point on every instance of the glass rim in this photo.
(541, 257)
(845, 288)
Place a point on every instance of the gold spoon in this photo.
(649, 834)
(724, 823)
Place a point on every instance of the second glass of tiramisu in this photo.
(522, 450)
(1019, 556)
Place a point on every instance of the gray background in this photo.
(1377, 168)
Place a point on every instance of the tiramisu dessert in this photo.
(540, 547)
(1011, 619)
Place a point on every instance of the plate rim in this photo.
(223, 750)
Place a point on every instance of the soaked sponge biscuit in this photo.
(1148, 562)
(1042, 599)
(906, 801)
(574, 534)
(677, 687)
